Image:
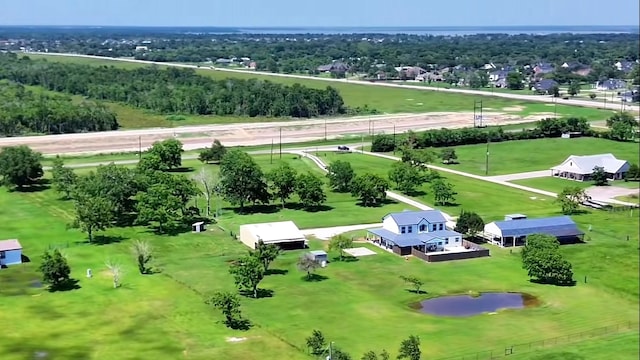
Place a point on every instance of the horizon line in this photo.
(329, 26)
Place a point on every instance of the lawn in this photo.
(538, 154)
(556, 185)
(360, 306)
(384, 99)
(491, 201)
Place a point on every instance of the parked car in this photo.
(343, 148)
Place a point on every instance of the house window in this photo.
(423, 227)
(433, 227)
(440, 243)
(446, 242)
(441, 226)
(409, 229)
(2, 255)
(457, 239)
(402, 230)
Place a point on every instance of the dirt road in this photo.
(195, 137)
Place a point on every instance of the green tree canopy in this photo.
(20, 166)
(340, 175)
(310, 190)
(248, 272)
(55, 269)
(370, 189)
(168, 153)
(282, 181)
(236, 168)
(543, 261)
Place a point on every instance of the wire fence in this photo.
(521, 348)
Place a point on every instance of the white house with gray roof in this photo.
(426, 229)
(581, 168)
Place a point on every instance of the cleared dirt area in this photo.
(195, 137)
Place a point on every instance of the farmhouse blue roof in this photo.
(407, 240)
(556, 226)
(414, 217)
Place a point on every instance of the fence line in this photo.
(522, 348)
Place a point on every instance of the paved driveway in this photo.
(327, 233)
(521, 176)
(603, 193)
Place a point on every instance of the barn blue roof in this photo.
(406, 240)
(414, 217)
(556, 226)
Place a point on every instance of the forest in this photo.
(23, 111)
(173, 90)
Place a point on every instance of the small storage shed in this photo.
(10, 252)
(198, 227)
(284, 234)
(318, 256)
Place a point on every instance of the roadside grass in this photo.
(384, 99)
(537, 154)
(193, 154)
(360, 305)
(629, 198)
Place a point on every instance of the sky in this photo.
(309, 13)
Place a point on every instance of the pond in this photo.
(466, 305)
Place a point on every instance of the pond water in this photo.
(465, 305)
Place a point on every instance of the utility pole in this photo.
(280, 143)
(271, 160)
(325, 129)
(486, 165)
(394, 138)
(139, 147)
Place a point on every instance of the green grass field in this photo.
(360, 306)
(383, 99)
(539, 154)
(557, 184)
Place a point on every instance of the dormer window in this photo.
(409, 229)
(423, 227)
(402, 230)
(441, 227)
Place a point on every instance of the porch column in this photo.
(501, 241)
(514, 241)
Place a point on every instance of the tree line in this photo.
(290, 53)
(24, 111)
(173, 90)
(622, 127)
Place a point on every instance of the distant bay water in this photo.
(413, 30)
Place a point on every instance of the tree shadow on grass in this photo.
(418, 292)
(554, 283)
(239, 324)
(276, 272)
(181, 169)
(33, 188)
(71, 284)
(262, 293)
(379, 204)
(346, 259)
(314, 278)
(104, 240)
(416, 193)
(256, 209)
(313, 209)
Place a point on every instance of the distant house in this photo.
(494, 76)
(10, 252)
(580, 168)
(625, 66)
(142, 48)
(583, 71)
(514, 230)
(543, 68)
(336, 67)
(629, 96)
(410, 72)
(430, 76)
(544, 86)
(611, 84)
(223, 61)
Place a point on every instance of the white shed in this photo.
(284, 233)
(10, 252)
